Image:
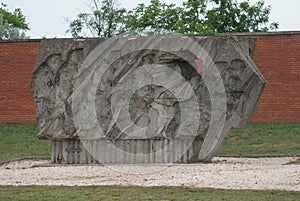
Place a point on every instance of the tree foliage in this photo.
(12, 23)
(193, 17)
(104, 20)
(156, 18)
(231, 16)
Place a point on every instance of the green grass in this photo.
(263, 139)
(138, 193)
(296, 162)
(20, 141)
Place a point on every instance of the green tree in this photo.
(156, 18)
(104, 20)
(12, 23)
(231, 16)
(193, 17)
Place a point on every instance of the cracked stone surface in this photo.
(59, 76)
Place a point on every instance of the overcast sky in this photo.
(49, 17)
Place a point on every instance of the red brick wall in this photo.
(276, 55)
(16, 64)
(278, 59)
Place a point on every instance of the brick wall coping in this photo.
(218, 34)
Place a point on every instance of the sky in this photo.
(49, 18)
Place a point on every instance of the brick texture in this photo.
(16, 64)
(278, 59)
(276, 55)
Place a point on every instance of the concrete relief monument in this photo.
(143, 100)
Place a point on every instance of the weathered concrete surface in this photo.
(61, 77)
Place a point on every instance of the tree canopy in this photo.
(231, 16)
(12, 23)
(192, 17)
(104, 20)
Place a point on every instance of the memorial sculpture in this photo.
(145, 99)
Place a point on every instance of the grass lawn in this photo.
(138, 193)
(19, 141)
(263, 139)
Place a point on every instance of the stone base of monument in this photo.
(129, 151)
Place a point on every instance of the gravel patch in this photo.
(225, 173)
